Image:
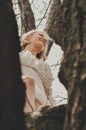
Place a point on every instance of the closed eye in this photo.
(40, 34)
(41, 37)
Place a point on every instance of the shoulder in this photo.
(26, 58)
(24, 53)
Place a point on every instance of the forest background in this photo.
(66, 24)
(41, 11)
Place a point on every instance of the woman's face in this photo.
(38, 41)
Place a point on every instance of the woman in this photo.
(36, 73)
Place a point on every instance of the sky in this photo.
(54, 59)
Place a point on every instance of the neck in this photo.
(31, 49)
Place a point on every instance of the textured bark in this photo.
(73, 69)
(27, 17)
(54, 22)
(47, 118)
(11, 87)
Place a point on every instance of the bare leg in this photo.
(30, 93)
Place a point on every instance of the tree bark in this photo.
(47, 118)
(11, 86)
(73, 69)
(27, 16)
(72, 37)
(54, 22)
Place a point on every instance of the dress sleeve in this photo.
(48, 71)
(44, 72)
(46, 76)
(26, 58)
(41, 67)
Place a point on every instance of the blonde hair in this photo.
(25, 40)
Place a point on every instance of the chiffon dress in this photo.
(40, 71)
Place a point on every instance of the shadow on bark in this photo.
(47, 118)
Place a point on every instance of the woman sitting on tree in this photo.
(36, 73)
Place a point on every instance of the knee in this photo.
(31, 81)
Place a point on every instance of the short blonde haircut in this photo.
(25, 39)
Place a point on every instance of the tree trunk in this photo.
(27, 17)
(11, 87)
(47, 118)
(73, 69)
(54, 22)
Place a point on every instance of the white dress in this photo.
(40, 71)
